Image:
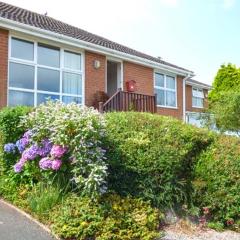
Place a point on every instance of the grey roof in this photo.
(47, 23)
(192, 81)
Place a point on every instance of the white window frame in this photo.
(198, 90)
(34, 63)
(166, 89)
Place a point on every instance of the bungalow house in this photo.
(41, 57)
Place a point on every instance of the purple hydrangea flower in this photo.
(31, 153)
(28, 134)
(10, 148)
(19, 165)
(45, 163)
(56, 164)
(58, 151)
(22, 144)
(45, 148)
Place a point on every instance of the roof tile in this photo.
(47, 23)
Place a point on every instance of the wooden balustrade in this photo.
(129, 101)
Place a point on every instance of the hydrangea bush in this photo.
(64, 138)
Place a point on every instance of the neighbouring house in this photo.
(41, 58)
(196, 101)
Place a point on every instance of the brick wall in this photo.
(94, 78)
(141, 74)
(178, 112)
(3, 67)
(145, 84)
(189, 107)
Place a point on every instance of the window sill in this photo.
(197, 107)
(161, 106)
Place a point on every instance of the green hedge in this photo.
(217, 182)
(152, 156)
(10, 132)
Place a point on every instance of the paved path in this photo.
(15, 226)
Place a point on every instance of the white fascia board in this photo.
(198, 85)
(27, 29)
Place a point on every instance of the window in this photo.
(197, 98)
(38, 72)
(22, 49)
(48, 56)
(21, 76)
(165, 88)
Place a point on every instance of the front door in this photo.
(113, 77)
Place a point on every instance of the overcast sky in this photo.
(199, 35)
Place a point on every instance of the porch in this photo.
(129, 99)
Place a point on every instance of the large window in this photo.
(197, 97)
(38, 72)
(165, 88)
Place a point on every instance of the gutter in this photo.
(184, 95)
(20, 27)
(198, 85)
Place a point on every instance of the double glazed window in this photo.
(165, 88)
(197, 97)
(38, 72)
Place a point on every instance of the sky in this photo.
(199, 35)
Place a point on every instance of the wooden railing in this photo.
(129, 101)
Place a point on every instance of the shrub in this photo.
(111, 217)
(10, 132)
(217, 182)
(218, 226)
(152, 156)
(63, 141)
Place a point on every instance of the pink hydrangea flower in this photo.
(56, 164)
(45, 163)
(58, 151)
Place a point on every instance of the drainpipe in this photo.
(184, 95)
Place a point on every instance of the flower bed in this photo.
(64, 138)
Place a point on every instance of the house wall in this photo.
(94, 78)
(141, 74)
(3, 67)
(189, 107)
(175, 112)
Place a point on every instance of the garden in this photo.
(92, 176)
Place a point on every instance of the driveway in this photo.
(15, 226)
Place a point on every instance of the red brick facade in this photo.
(145, 84)
(142, 75)
(189, 107)
(94, 78)
(3, 67)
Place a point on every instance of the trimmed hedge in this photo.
(152, 156)
(217, 183)
(10, 132)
